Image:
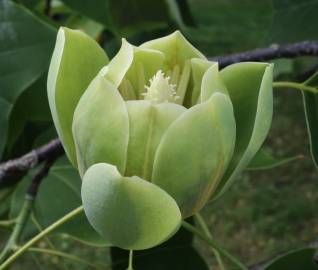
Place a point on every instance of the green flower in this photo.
(156, 132)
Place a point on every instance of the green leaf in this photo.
(58, 195)
(129, 212)
(176, 253)
(94, 9)
(311, 113)
(221, 24)
(143, 16)
(264, 160)
(5, 109)
(75, 62)
(24, 56)
(31, 106)
(296, 15)
(5, 199)
(252, 100)
(101, 126)
(295, 260)
(194, 153)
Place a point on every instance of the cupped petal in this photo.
(183, 83)
(198, 68)
(75, 62)
(147, 124)
(176, 49)
(212, 83)
(131, 69)
(250, 88)
(145, 64)
(119, 65)
(129, 212)
(101, 126)
(194, 153)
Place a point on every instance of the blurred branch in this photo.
(47, 8)
(37, 179)
(15, 168)
(305, 48)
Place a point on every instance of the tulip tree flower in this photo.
(155, 133)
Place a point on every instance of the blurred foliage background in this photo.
(267, 211)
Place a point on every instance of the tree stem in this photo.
(18, 228)
(7, 223)
(130, 264)
(207, 232)
(38, 237)
(214, 244)
(298, 86)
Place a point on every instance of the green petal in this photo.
(147, 124)
(176, 49)
(198, 68)
(182, 85)
(119, 65)
(250, 88)
(75, 62)
(101, 126)
(212, 83)
(145, 64)
(194, 153)
(133, 66)
(129, 212)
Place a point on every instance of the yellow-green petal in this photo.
(194, 153)
(135, 66)
(198, 68)
(119, 65)
(176, 49)
(129, 212)
(250, 88)
(147, 124)
(183, 83)
(75, 62)
(212, 83)
(145, 64)
(101, 126)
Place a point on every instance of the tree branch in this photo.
(47, 8)
(305, 48)
(16, 168)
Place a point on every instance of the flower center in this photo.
(160, 89)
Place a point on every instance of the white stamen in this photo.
(160, 89)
